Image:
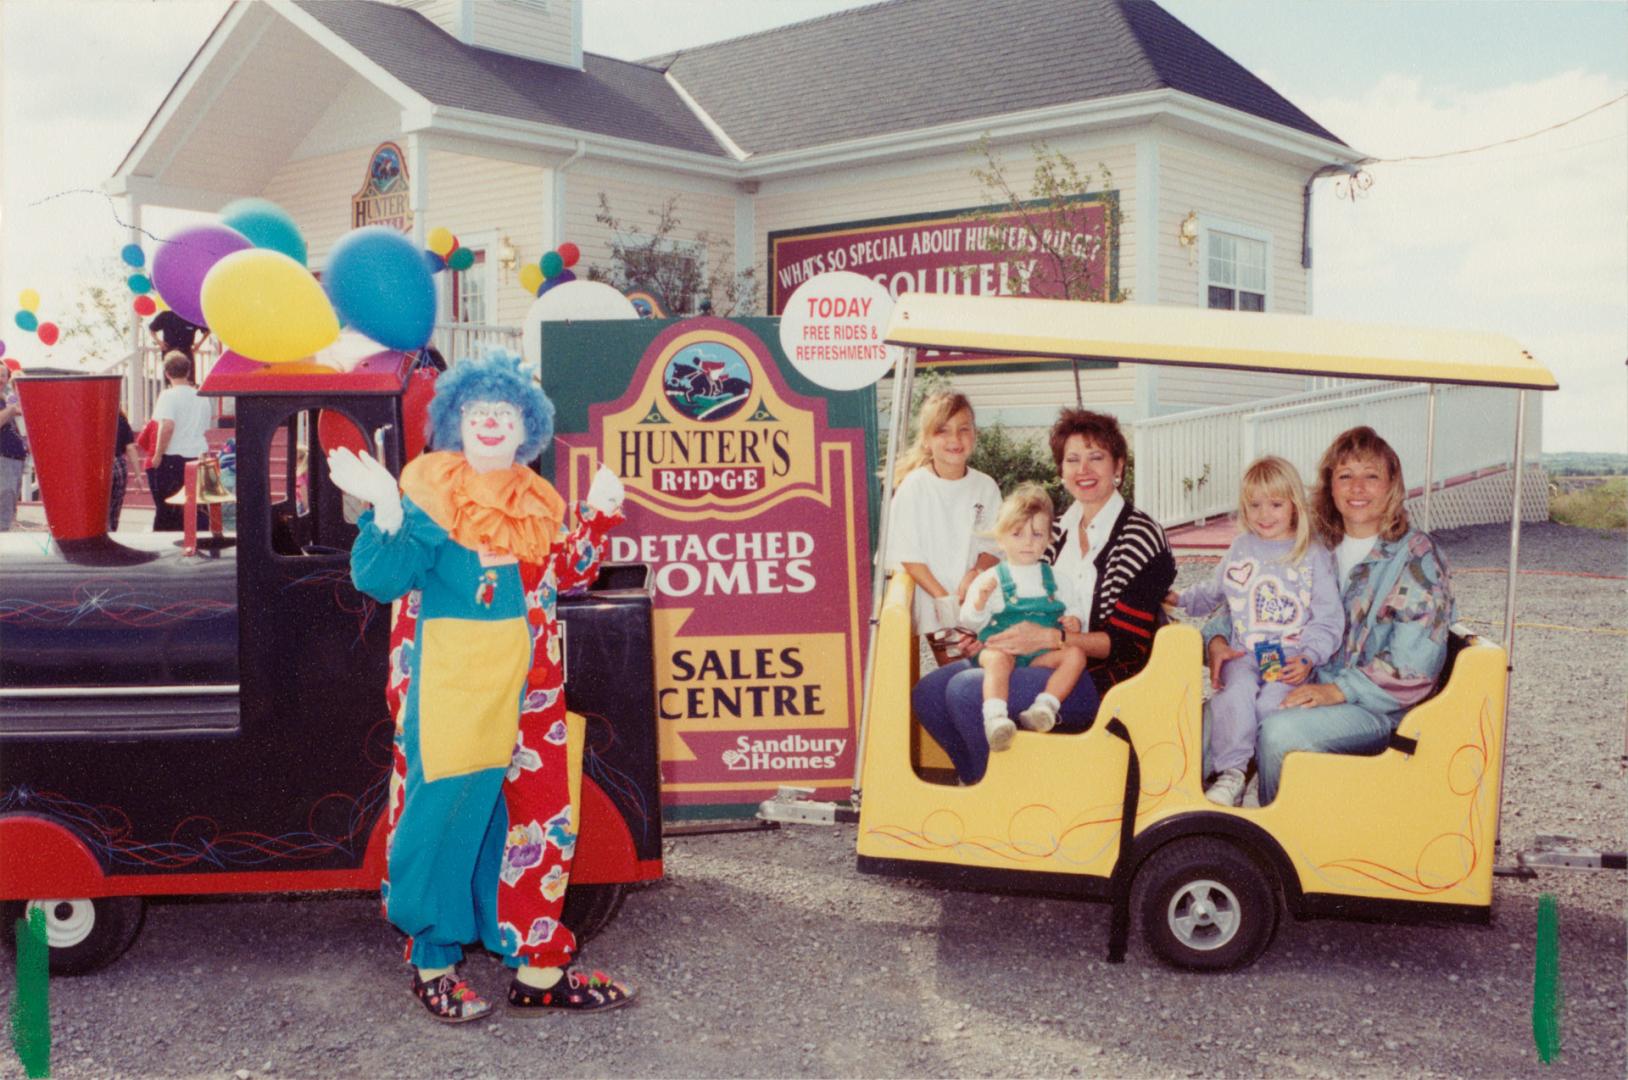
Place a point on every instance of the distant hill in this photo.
(1575, 464)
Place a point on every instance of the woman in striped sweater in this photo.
(1114, 553)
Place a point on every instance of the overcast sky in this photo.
(1528, 239)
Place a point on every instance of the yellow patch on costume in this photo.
(469, 694)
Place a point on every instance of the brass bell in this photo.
(211, 490)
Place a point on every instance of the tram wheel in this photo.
(1205, 905)
(84, 935)
(590, 908)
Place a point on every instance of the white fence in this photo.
(1188, 465)
(467, 341)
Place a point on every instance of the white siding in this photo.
(945, 182)
(706, 211)
(535, 29)
(1224, 184)
(472, 195)
(443, 13)
(317, 191)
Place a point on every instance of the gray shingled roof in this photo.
(848, 76)
(609, 97)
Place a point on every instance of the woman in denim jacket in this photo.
(1398, 605)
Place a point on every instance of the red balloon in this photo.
(569, 253)
(11, 362)
(335, 429)
(144, 305)
(48, 333)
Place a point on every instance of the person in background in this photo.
(183, 419)
(13, 451)
(174, 333)
(126, 460)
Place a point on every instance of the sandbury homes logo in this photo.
(707, 428)
(794, 751)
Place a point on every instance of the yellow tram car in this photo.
(1117, 813)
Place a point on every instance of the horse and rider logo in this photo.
(707, 381)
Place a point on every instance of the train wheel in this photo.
(83, 935)
(590, 908)
(1205, 905)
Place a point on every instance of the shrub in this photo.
(1603, 506)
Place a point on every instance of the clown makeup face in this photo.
(492, 433)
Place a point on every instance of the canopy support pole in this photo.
(1509, 594)
(904, 376)
(1430, 453)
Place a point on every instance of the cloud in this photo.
(1526, 239)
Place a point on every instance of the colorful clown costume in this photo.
(482, 833)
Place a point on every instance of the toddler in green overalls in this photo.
(1022, 588)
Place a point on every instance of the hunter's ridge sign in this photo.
(752, 510)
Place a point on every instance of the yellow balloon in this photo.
(267, 307)
(531, 277)
(442, 241)
(158, 302)
(28, 300)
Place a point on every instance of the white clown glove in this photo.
(607, 492)
(948, 610)
(363, 478)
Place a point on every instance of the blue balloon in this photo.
(434, 261)
(26, 320)
(558, 279)
(133, 255)
(140, 284)
(266, 225)
(381, 286)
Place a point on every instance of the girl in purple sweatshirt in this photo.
(1283, 594)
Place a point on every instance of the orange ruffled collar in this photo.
(511, 511)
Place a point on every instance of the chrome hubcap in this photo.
(67, 922)
(1204, 915)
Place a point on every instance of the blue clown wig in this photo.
(497, 377)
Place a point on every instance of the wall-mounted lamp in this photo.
(507, 256)
(1187, 235)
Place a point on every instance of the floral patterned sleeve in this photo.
(1396, 647)
(579, 551)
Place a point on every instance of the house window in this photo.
(673, 271)
(1236, 272)
(469, 292)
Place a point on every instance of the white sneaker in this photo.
(1038, 717)
(999, 731)
(1228, 788)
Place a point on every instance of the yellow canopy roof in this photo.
(1189, 337)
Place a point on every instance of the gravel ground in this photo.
(766, 954)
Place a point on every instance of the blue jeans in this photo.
(1326, 729)
(949, 703)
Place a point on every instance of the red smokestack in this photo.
(72, 420)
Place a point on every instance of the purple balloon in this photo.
(182, 261)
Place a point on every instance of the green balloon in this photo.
(552, 265)
(462, 259)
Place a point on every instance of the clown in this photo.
(476, 547)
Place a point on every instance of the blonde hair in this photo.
(1275, 478)
(1019, 507)
(1362, 443)
(936, 411)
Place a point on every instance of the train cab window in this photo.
(309, 516)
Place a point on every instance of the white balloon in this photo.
(574, 300)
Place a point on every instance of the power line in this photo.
(1500, 142)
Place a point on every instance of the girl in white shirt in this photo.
(942, 511)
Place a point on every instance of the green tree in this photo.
(684, 276)
(98, 329)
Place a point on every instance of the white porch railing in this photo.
(1474, 431)
(1188, 464)
(467, 341)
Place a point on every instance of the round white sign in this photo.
(832, 328)
(567, 301)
